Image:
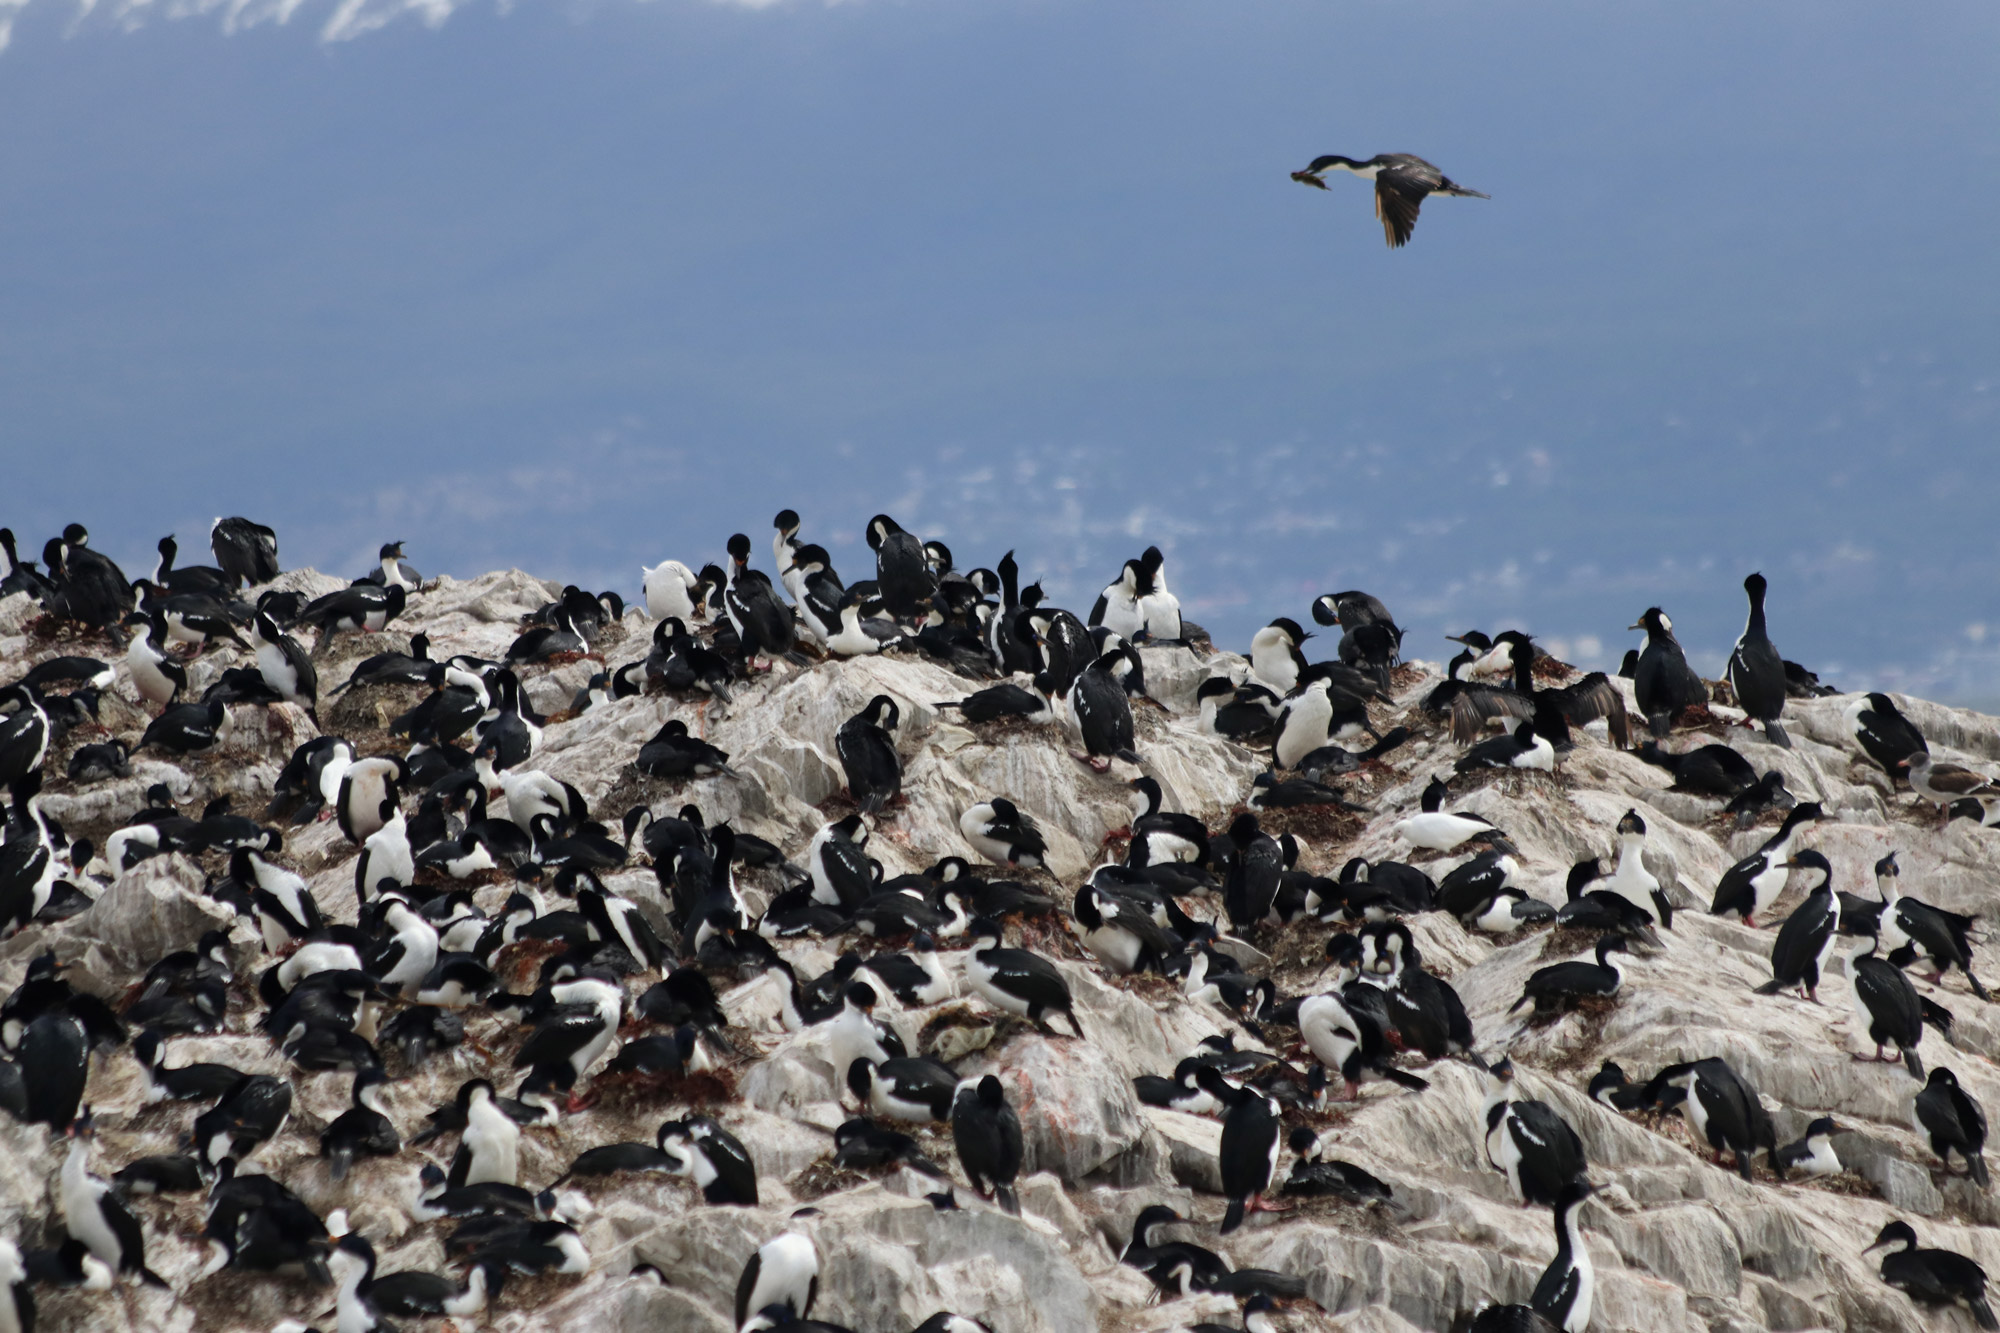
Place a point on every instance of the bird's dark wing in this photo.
(1476, 704)
(1591, 698)
(1396, 203)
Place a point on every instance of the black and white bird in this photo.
(186, 728)
(1887, 1007)
(902, 571)
(1914, 932)
(868, 756)
(1756, 672)
(1252, 874)
(672, 591)
(1402, 182)
(286, 666)
(1523, 747)
(1883, 733)
(93, 1213)
(715, 1160)
(1101, 712)
(1555, 711)
(1121, 932)
(673, 753)
(1933, 1277)
(158, 677)
(362, 606)
(370, 791)
(912, 1088)
(1749, 887)
(1664, 684)
(1315, 1175)
(1031, 703)
(1248, 1155)
(1805, 940)
(1813, 1154)
(998, 831)
(1167, 835)
(987, 1134)
(391, 570)
(856, 1034)
(1436, 828)
(489, 1147)
(1720, 1108)
(1528, 1141)
(1117, 607)
(244, 550)
(1481, 894)
(1568, 1286)
(1955, 1122)
(1314, 717)
(1708, 770)
(1016, 980)
(784, 1271)
(1559, 986)
(363, 1130)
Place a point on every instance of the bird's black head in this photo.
(1898, 1234)
(1292, 629)
(880, 529)
(739, 549)
(862, 996)
(1654, 621)
(1886, 868)
(787, 521)
(1213, 688)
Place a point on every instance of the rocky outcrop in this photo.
(1679, 1244)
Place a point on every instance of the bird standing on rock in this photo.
(1664, 684)
(1756, 671)
(987, 1133)
(868, 754)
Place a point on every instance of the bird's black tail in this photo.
(1776, 731)
(152, 1279)
(1913, 1064)
(1771, 987)
(1244, 1283)
(1403, 1080)
(1977, 1163)
(1233, 1218)
(1982, 1313)
(1005, 1197)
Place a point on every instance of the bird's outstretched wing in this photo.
(1397, 207)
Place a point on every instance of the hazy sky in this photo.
(580, 286)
